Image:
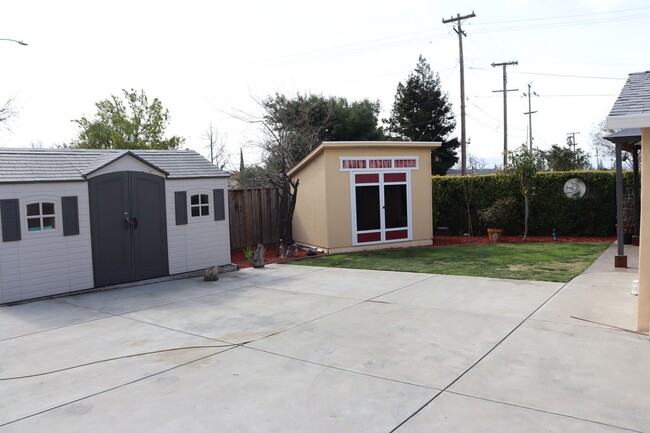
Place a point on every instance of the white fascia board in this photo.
(631, 121)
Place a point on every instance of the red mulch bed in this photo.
(483, 239)
(270, 256)
(237, 255)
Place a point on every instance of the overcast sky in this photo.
(204, 60)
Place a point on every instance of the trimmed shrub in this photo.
(457, 199)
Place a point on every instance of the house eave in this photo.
(362, 145)
(629, 121)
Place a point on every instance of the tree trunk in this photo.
(526, 211)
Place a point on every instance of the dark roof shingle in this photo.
(52, 165)
(635, 96)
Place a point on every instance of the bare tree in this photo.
(603, 148)
(7, 112)
(217, 146)
(476, 163)
(291, 129)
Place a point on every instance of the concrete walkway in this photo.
(308, 349)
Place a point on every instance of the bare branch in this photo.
(7, 112)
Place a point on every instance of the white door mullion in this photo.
(382, 208)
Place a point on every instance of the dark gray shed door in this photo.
(128, 227)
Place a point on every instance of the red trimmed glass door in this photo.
(381, 205)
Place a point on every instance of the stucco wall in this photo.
(310, 216)
(339, 207)
(323, 215)
(202, 242)
(46, 262)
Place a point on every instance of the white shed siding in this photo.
(202, 242)
(45, 263)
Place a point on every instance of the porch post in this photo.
(620, 261)
(643, 312)
(637, 196)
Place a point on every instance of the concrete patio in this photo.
(309, 349)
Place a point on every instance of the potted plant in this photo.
(497, 216)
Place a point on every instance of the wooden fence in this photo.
(253, 216)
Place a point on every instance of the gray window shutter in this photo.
(180, 202)
(10, 216)
(70, 212)
(219, 205)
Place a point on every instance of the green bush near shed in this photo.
(456, 197)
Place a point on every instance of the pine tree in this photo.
(422, 112)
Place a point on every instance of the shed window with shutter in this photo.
(70, 215)
(9, 214)
(219, 204)
(41, 216)
(180, 203)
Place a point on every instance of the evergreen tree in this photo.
(565, 159)
(304, 121)
(422, 112)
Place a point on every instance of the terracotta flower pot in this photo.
(495, 234)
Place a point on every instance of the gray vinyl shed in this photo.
(73, 220)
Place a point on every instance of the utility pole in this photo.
(463, 136)
(530, 117)
(505, 106)
(571, 139)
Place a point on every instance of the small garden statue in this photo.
(291, 250)
(211, 274)
(257, 259)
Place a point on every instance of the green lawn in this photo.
(535, 261)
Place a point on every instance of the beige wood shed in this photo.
(362, 195)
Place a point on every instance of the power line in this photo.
(481, 123)
(579, 96)
(558, 75)
(393, 41)
(559, 17)
(572, 76)
(584, 95)
(551, 25)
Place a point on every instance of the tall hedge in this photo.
(592, 215)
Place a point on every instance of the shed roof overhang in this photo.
(362, 145)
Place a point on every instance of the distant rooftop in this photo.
(472, 171)
(55, 165)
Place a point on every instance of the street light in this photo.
(14, 40)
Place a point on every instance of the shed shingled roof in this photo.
(635, 96)
(56, 165)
